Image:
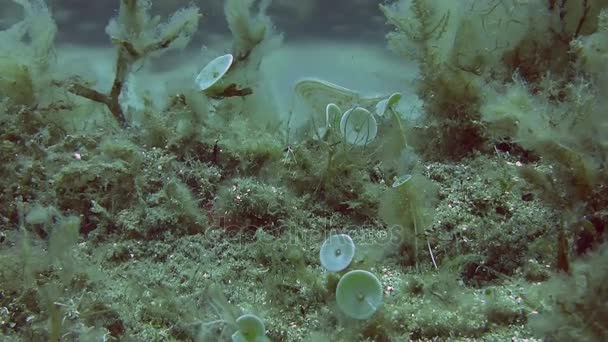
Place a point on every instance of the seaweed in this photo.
(137, 36)
(483, 218)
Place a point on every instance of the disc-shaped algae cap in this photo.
(358, 126)
(332, 119)
(251, 328)
(332, 114)
(401, 180)
(312, 96)
(359, 294)
(213, 71)
(387, 103)
(337, 252)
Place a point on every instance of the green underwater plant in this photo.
(313, 95)
(332, 120)
(249, 30)
(408, 208)
(26, 49)
(359, 294)
(140, 202)
(558, 116)
(253, 37)
(573, 307)
(250, 329)
(336, 253)
(358, 126)
(462, 47)
(213, 72)
(137, 36)
(388, 104)
(332, 115)
(429, 33)
(231, 325)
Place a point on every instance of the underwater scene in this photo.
(257, 170)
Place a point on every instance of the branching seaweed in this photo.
(421, 31)
(136, 36)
